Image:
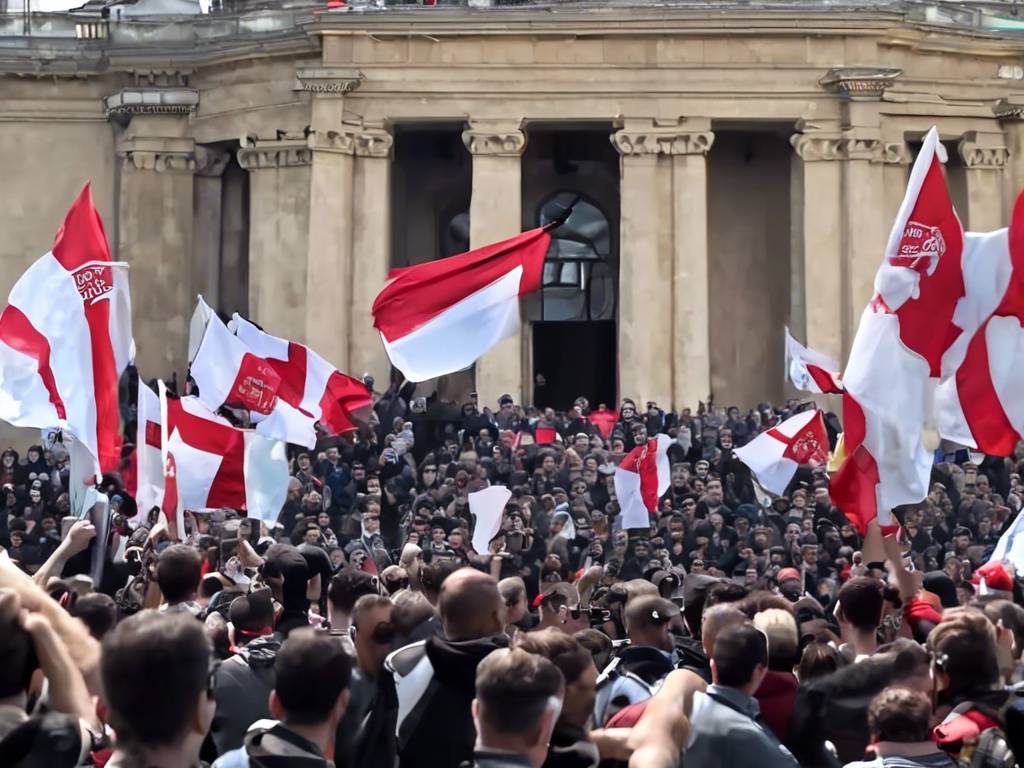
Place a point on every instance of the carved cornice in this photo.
(211, 162)
(373, 142)
(161, 78)
(162, 155)
(896, 153)
(813, 147)
(328, 81)
(152, 101)
(860, 83)
(342, 142)
(662, 142)
(1009, 109)
(982, 156)
(287, 151)
(499, 142)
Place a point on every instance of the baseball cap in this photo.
(788, 573)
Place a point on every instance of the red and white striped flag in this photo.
(980, 403)
(230, 374)
(441, 316)
(775, 455)
(66, 337)
(810, 371)
(148, 456)
(313, 387)
(217, 465)
(897, 353)
(641, 478)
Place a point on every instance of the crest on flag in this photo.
(920, 249)
(807, 448)
(255, 386)
(94, 282)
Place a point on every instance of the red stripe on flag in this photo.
(647, 467)
(980, 402)
(853, 486)
(17, 332)
(81, 240)
(170, 502)
(419, 293)
(343, 397)
(825, 380)
(228, 489)
(292, 371)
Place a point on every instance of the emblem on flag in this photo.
(255, 386)
(94, 282)
(920, 248)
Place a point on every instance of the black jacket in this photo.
(242, 689)
(436, 683)
(280, 747)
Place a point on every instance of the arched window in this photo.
(578, 281)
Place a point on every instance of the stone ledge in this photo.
(152, 101)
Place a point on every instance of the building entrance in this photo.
(572, 359)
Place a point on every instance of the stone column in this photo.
(647, 261)
(816, 226)
(984, 156)
(896, 161)
(1010, 112)
(495, 213)
(691, 339)
(279, 206)
(371, 249)
(206, 251)
(155, 218)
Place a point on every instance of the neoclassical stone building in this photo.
(738, 168)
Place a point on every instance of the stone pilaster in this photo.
(984, 156)
(371, 248)
(155, 217)
(495, 213)
(1010, 112)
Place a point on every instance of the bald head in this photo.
(470, 605)
(717, 618)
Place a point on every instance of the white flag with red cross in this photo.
(641, 478)
(775, 455)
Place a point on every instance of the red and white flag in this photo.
(897, 353)
(230, 374)
(313, 387)
(775, 455)
(980, 403)
(65, 339)
(217, 465)
(149, 461)
(810, 371)
(441, 316)
(642, 477)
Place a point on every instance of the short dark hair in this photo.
(98, 611)
(963, 646)
(513, 689)
(861, 601)
(347, 586)
(819, 659)
(562, 650)
(311, 671)
(178, 572)
(901, 715)
(153, 667)
(738, 651)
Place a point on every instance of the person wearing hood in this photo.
(311, 692)
(243, 683)
(435, 679)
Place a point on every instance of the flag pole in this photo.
(561, 218)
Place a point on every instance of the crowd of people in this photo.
(363, 629)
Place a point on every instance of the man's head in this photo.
(900, 715)
(513, 592)
(716, 619)
(311, 679)
(470, 605)
(648, 621)
(963, 647)
(347, 586)
(373, 632)
(739, 658)
(574, 662)
(98, 611)
(860, 604)
(518, 700)
(252, 616)
(178, 572)
(155, 674)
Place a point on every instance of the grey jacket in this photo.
(726, 731)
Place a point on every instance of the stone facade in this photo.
(307, 102)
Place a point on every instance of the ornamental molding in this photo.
(287, 151)
(161, 78)
(328, 81)
(161, 162)
(151, 101)
(981, 156)
(342, 142)
(211, 162)
(373, 142)
(1009, 109)
(811, 147)
(896, 153)
(632, 143)
(860, 83)
(497, 142)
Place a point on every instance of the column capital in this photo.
(1010, 109)
(211, 162)
(327, 81)
(498, 138)
(662, 140)
(896, 153)
(983, 151)
(163, 155)
(816, 142)
(860, 83)
(373, 142)
(129, 102)
(289, 150)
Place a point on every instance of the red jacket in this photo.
(777, 696)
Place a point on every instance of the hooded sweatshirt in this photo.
(242, 688)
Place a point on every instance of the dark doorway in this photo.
(575, 359)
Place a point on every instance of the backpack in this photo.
(972, 734)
